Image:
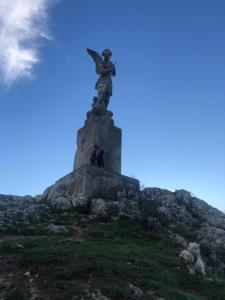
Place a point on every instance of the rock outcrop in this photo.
(184, 217)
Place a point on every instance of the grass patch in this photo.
(15, 295)
(115, 255)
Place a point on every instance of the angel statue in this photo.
(105, 68)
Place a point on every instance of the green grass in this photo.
(15, 295)
(113, 256)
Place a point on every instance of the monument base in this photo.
(92, 182)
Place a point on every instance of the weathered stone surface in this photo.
(186, 218)
(90, 181)
(16, 211)
(61, 202)
(179, 239)
(99, 131)
(212, 240)
(105, 208)
(56, 229)
(80, 201)
(137, 292)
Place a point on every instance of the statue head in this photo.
(107, 53)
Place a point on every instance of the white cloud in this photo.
(22, 25)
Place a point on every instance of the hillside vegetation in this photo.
(99, 259)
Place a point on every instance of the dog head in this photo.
(186, 257)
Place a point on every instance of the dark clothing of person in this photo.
(100, 159)
(93, 157)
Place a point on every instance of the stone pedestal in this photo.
(92, 182)
(88, 179)
(99, 131)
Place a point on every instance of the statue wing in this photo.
(96, 57)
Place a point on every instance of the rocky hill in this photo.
(56, 246)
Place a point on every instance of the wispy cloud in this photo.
(22, 26)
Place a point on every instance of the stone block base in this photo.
(92, 182)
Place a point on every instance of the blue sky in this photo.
(168, 98)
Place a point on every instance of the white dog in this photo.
(192, 259)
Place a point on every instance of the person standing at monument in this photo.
(100, 159)
(93, 156)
